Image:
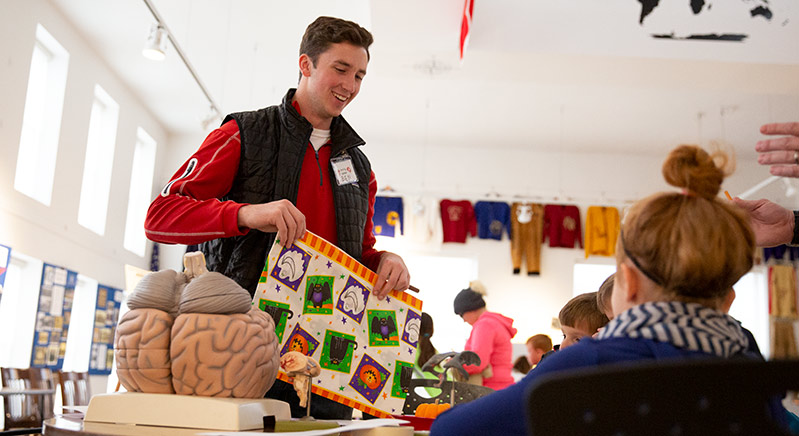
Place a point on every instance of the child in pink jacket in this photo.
(490, 338)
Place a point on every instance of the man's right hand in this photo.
(279, 216)
(781, 153)
(772, 223)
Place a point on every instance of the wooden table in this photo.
(73, 425)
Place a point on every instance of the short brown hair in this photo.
(582, 310)
(691, 244)
(604, 293)
(329, 30)
(540, 342)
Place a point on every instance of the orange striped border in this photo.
(344, 259)
(339, 398)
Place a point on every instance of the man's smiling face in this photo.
(334, 81)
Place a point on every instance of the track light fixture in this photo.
(155, 48)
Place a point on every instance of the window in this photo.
(18, 310)
(141, 186)
(81, 326)
(589, 276)
(41, 121)
(99, 162)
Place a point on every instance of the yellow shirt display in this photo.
(601, 230)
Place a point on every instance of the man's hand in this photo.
(772, 223)
(277, 216)
(391, 274)
(781, 153)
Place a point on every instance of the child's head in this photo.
(580, 317)
(537, 345)
(689, 246)
(603, 296)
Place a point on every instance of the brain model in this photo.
(195, 333)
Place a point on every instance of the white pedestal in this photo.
(170, 410)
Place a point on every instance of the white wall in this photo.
(53, 233)
(470, 173)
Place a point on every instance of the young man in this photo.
(281, 170)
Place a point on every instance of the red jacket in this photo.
(490, 339)
(189, 209)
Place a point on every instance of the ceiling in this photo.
(577, 75)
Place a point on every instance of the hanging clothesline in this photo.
(492, 195)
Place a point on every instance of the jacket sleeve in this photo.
(370, 256)
(188, 210)
(508, 406)
(481, 341)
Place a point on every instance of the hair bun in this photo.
(695, 170)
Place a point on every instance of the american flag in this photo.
(466, 24)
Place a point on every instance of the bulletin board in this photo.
(106, 316)
(321, 301)
(56, 294)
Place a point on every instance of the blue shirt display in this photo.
(493, 218)
(388, 213)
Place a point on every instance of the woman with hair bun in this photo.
(677, 256)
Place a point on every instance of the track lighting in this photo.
(155, 48)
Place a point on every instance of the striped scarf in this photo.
(688, 326)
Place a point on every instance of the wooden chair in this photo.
(74, 388)
(685, 397)
(24, 412)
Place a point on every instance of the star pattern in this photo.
(341, 276)
(344, 320)
(341, 388)
(385, 395)
(329, 264)
(277, 288)
(388, 300)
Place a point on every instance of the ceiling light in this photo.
(155, 48)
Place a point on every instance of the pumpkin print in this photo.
(370, 376)
(298, 343)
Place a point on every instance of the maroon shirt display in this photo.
(562, 226)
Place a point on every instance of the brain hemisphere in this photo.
(224, 355)
(142, 351)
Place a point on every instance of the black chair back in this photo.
(686, 397)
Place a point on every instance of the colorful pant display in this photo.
(527, 224)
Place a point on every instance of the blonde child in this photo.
(603, 296)
(537, 346)
(677, 256)
(579, 318)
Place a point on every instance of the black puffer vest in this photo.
(273, 145)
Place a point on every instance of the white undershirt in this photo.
(319, 138)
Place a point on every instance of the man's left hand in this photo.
(391, 274)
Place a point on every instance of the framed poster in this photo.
(106, 315)
(321, 301)
(56, 294)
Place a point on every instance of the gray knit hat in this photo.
(468, 300)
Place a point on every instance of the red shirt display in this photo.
(457, 219)
(562, 226)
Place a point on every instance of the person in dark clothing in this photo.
(271, 174)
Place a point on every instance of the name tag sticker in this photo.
(342, 168)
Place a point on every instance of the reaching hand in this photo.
(772, 223)
(781, 153)
(391, 274)
(276, 216)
